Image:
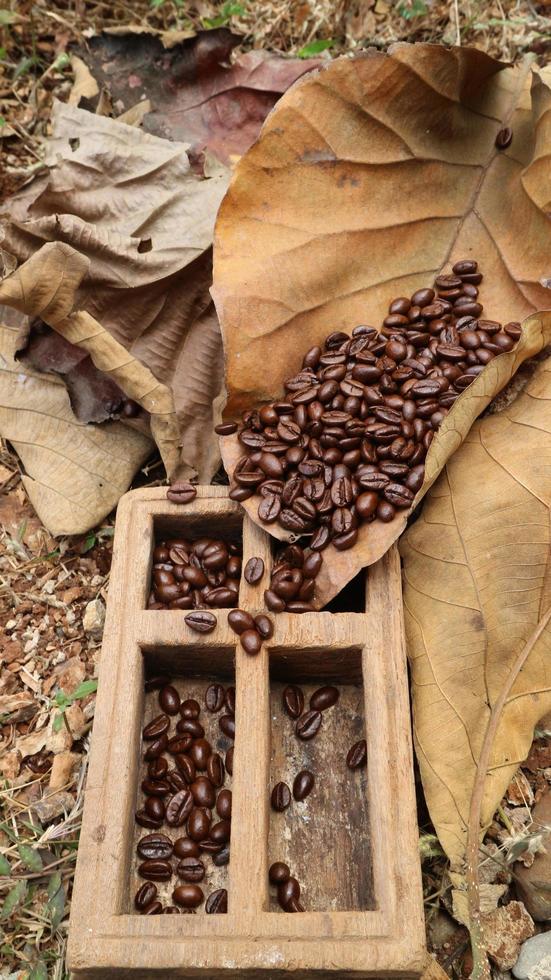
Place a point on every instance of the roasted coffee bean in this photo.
(308, 725)
(264, 626)
(217, 902)
(251, 641)
(227, 725)
(155, 787)
(171, 910)
(222, 858)
(156, 747)
(154, 807)
(144, 820)
(269, 508)
(145, 895)
(303, 784)
(157, 768)
(190, 726)
(230, 700)
(366, 504)
(181, 493)
(200, 752)
(225, 428)
(215, 770)
(293, 700)
(155, 846)
(156, 728)
(254, 570)
(239, 620)
(155, 682)
(223, 804)
(273, 601)
(176, 780)
(189, 896)
(155, 908)
(203, 791)
(155, 869)
(190, 869)
(347, 540)
(279, 873)
(323, 698)
(178, 808)
(504, 138)
(281, 797)
(201, 622)
(357, 755)
(169, 700)
(220, 832)
(180, 743)
(190, 708)
(229, 761)
(287, 891)
(184, 847)
(198, 824)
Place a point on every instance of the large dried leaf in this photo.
(477, 585)
(74, 474)
(369, 177)
(196, 94)
(120, 230)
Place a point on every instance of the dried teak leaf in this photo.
(370, 176)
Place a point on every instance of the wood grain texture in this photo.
(365, 937)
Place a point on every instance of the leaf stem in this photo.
(481, 969)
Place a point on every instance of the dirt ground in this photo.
(53, 591)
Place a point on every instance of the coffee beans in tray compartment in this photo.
(184, 802)
(346, 444)
(198, 574)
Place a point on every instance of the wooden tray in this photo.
(353, 843)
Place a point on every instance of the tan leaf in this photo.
(477, 595)
(84, 85)
(369, 177)
(74, 474)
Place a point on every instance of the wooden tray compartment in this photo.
(376, 928)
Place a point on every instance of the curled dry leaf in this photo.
(477, 595)
(369, 177)
(113, 247)
(73, 473)
(196, 93)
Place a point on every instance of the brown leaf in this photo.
(476, 595)
(74, 474)
(119, 240)
(369, 177)
(196, 96)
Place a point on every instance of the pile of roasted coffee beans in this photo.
(293, 579)
(347, 442)
(252, 631)
(307, 724)
(196, 574)
(183, 785)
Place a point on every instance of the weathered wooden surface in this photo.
(372, 926)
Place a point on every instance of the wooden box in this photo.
(353, 844)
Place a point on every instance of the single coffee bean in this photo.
(155, 846)
(293, 905)
(181, 493)
(279, 873)
(171, 910)
(229, 762)
(357, 755)
(220, 832)
(203, 791)
(145, 895)
(214, 695)
(184, 847)
(222, 858)
(227, 725)
(293, 700)
(264, 626)
(156, 728)
(208, 846)
(269, 508)
(201, 622)
(198, 825)
(254, 570)
(323, 698)
(157, 768)
(251, 641)
(175, 779)
(190, 726)
(239, 620)
(186, 767)
(303, 784)
(308, 725)
(225, 428)
(143, 818)
(178, 808)
(464, 265)
(273, 601)
(155, 869)
(156, 747)
(288, 890)
(190, 708)
(504, 138)
(200, 752)
(169, 700)
(190, 869)
(281, 797)
(155, 807)
(215, 770)
(230, 700)
(217, 902)
(155, 787)
(189, 896)
(223, 804)
(156, 682)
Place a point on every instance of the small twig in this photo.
(457, 23)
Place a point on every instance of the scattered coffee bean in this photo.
(184, 847)
(227, 726)
(190, 896)
(190, 869)
(178, 808)
(303, 784)
(264, 626)
(222, 858)
(293, 701)
(251, 641)
(195, 574)
(201, 622)
(198, 825)
(225, 428)
(239, 620)
(504, 138)
(144, 820)
(229, 700)
(308, 725)
(279, 873)
(281, 797)
(288, 891)
(323, 698)
(254, 570)
(181, 493)
(215, 770)
(217, 902)
(223, 804)
(155, 869)
(145, 895)
(203, 791)
(190, 708)
(214, 696)
(229, 760)
(357, 755)
(200, 752)
(169, 700)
